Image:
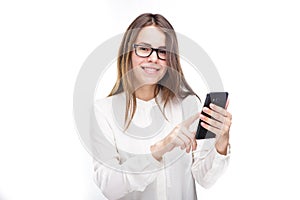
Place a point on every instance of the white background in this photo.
(254, 44)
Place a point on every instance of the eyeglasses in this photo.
(145, 51)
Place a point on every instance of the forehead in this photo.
(151, 35)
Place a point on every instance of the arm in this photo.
(208, 164)
(115, 176)
(207, 170)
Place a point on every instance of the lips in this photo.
(150, 69)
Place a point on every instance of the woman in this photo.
(151, 111)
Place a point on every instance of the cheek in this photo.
(164, 69)
(164, 65)
(135, 60)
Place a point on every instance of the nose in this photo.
(153, 57)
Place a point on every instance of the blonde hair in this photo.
(178, 84)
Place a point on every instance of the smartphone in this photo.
(217, 98)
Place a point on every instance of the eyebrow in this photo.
(147, 44)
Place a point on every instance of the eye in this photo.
(143, 48)
(162, 51)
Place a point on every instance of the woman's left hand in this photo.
(219, 124)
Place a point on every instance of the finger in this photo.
(224, 126)
(211, 121)
(179, 143)
(190, 120)
(188, 149)
(194, 142)
(214, 114)
(185, 139)
(215, 130)
(227, 103)
(229, 115)
(187, 133)
(194, 145)
(218, 109)
(221, 110)
(228, 119)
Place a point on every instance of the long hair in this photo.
(178, 84)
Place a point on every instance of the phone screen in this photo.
(217, 98)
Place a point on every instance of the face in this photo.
(149, 70)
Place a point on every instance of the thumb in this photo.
(194, 143)
(227, 103)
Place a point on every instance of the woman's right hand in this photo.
(180, 136)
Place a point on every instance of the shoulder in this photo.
(107, 102)
(187, 101)
(190, 105)
(191, 98)
(190, 101)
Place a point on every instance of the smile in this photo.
(150, 70)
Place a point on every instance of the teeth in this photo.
(150, 69)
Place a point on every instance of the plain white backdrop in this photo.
(254, 44)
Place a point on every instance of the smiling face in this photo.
(149, 70)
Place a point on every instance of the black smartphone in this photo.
(217, 98)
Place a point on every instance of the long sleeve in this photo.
(208, 164)
(115, 175)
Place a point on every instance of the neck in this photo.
(146, 92)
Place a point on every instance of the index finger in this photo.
(218, 109)
(191, 119)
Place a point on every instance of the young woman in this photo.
(146, 148)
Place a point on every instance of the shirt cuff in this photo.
(221, 156)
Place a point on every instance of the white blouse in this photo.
(123, 163)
